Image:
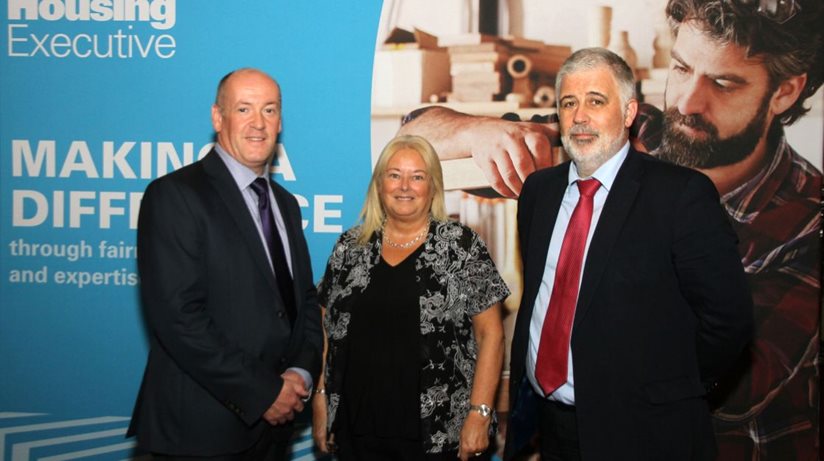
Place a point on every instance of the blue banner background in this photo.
(68, 352)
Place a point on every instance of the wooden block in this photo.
(546, 63)
(457, 49)
(482, 87)
(524, 43)
(480, 56)
(462, 174)
(470, 96)
(402, 39)
(466, 39)
(458, 68)
(426, 40)
(473, 78)
(399, 35)
(556, 50)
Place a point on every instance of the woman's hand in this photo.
(489, 333)
(474, 436)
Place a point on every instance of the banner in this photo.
(754, 127)
(98, 99)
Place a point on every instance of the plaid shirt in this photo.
(768, 406)
(770, 410)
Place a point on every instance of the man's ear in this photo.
(787, 93)
(630, 112)
(217, 118)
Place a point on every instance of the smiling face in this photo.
(718, 102)
(405, 187)
(594, 123)
(247, 118)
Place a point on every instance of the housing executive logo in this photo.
(139, 29)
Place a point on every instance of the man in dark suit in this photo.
(226, 284)
(634, 298)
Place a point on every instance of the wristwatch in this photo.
(482, 409)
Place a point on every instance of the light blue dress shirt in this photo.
(244, 177)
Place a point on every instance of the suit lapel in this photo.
(236, 208)
(544, 213)
(616, 209)
(543, 205)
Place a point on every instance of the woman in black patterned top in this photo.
(413, 324)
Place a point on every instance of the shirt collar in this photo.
(242, 175)
(748, 199)
(606, 173)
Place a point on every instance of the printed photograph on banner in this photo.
(101, 98)
(731, 88)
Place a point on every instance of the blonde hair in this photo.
(373, 215)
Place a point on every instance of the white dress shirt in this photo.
(605, 174)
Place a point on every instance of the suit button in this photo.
(281, 314)
(283, 360)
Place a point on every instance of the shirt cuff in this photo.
(307, 378)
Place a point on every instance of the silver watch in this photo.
(482, 409)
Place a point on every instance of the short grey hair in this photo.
(591, 58)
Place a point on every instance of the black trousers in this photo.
(272, 446)
(558, 426)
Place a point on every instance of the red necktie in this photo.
(553, 350)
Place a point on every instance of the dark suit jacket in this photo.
(663, 310)
(218, 331)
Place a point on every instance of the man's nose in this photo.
(257, 120)
(581, 115)
(692, 99)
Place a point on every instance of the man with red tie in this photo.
(635, 300)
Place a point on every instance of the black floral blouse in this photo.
(458, 280)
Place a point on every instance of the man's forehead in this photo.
(695, 47)
(252, 85)
(597, 81)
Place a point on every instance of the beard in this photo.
(602, 148)
(711, 152)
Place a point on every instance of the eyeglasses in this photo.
(779, 11)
